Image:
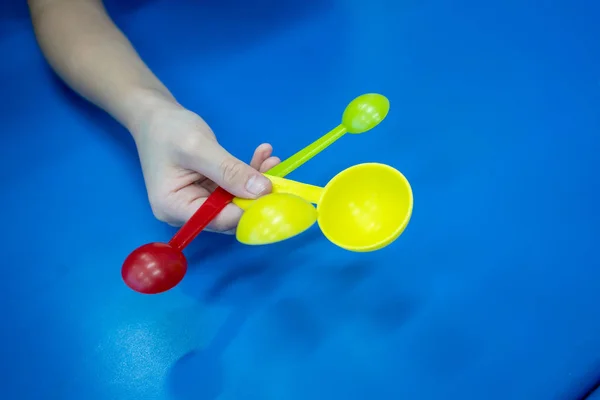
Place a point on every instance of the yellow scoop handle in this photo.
(308, 192)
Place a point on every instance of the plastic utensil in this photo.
(361, 115)
(363, 208)
(157, 267)
(274, 217)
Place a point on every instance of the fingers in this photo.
(262, 160)
(180, 207)
(261, 153)
(268, 164)
(225, 222)
(233, 175)
(226, 171)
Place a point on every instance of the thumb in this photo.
(233, 175)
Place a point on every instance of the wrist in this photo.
(147, 104)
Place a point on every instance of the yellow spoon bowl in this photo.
(275, 217)
(363, 208)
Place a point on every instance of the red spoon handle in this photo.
(214, 204)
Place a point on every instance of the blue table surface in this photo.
(595, 395)
(491, 293)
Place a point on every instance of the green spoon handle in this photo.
(301, 157)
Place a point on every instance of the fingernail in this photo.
(256, 185)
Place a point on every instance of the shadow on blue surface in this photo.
(594, 394)
(198, 374)
(295, 326)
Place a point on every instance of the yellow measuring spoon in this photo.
(363, 208)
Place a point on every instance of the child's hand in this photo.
(183, 163)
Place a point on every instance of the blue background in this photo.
(491, 293)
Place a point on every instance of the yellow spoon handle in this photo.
(308, 192)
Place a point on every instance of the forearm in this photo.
(88, 51)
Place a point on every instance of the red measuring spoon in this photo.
(157, 267)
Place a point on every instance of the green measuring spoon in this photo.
(362, 114)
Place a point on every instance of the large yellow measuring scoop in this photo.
(363, 208)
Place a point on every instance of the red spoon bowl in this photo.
(154, 268)
(157, 267)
